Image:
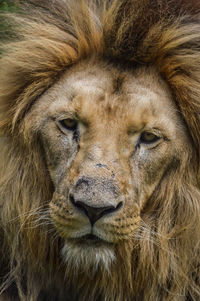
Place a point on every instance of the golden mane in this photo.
(49, 37)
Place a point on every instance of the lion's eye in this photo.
(69, 124)
(147, 137)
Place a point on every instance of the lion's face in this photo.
(109, 138)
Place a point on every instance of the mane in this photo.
(46, 38)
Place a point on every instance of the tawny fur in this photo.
(51, 36)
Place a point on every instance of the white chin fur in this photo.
(84, 257)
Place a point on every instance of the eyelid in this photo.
(57, 116)
(154, 131)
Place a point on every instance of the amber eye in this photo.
(69, 124)
(147, 137)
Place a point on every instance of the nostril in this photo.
(78, 205)
(71, 198)
(112, 209)
(119, 205)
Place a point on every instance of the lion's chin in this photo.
(88, 254)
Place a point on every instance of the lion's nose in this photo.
(94, 213)
(96, 197)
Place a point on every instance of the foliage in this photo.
(7, 5)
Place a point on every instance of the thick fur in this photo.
(48, 37)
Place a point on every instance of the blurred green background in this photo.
(6, 32)
(7, 5)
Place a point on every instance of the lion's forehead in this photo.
(93, 91)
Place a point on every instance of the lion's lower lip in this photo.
(90, 237)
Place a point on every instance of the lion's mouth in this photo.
(89, 239)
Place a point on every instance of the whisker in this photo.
(153, 237)
(29, 213)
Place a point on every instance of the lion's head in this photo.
(100, 151)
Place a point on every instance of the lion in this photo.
(100, 149)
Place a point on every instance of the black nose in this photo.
(94, 213)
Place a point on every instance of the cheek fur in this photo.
(59, 157)
(147, 169)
